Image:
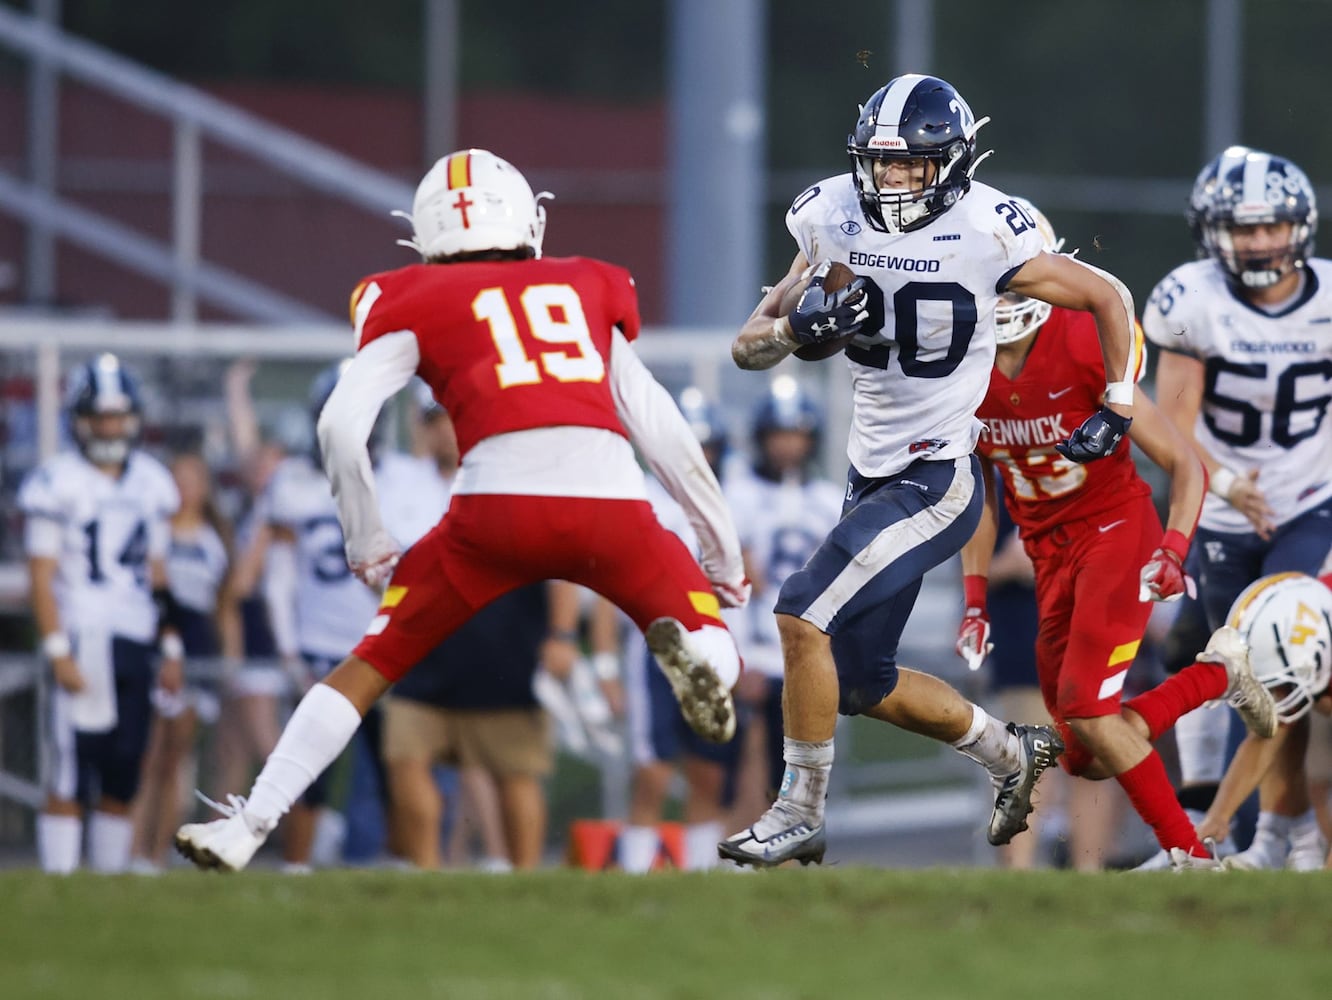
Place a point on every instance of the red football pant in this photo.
(1091, 621)
(487, 545)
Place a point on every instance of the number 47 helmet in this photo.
(1287, 621)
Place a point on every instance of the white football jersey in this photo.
(103, 532)
(917, 381)
(413, 495)
(333, 608)
(1267, 385)
(196, 563)
(781, 525)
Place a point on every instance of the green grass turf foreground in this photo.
(835, 932)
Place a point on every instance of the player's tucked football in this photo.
(837, 278)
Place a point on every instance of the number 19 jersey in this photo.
(1267, 383)
(508, 346)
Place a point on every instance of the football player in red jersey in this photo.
(1095, 539)
(531, 358)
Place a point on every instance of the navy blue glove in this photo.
(821, 315)
(1097, 437)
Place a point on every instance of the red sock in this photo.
(1149, 790)
(1162, 706)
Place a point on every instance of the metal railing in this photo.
(194, 116)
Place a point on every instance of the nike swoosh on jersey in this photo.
(1056, 395)
(1113, 524)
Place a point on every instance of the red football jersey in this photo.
(508, 345)
(1060, 385)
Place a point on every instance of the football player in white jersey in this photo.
(783, 509)
(318, 608)
(933, 252)
(1245, 370)
(96, 530)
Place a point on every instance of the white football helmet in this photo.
(1017, 316)
(1287, 621)
(472, 201)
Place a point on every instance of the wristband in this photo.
(1119, 392)
(1221, 482)
(974, 589)
(171, 647)
(1176, 543)
(562, 635)
(606, 666)
(56, 646)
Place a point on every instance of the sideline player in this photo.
(96, 531)
(531, 357)
(1095, 541)
(933, 252)
(1245, 371)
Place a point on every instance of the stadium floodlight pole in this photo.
(442, 31)
(1223, 77)
(913, 36)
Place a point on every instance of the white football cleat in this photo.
(1244, 692)
(783, 833)
(1264, 854)
(1182, 861)
(225, 844)
(704, 700)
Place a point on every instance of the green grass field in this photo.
(835, 932)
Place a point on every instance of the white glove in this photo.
(733, 595)
(373, 560)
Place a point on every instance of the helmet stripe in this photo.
(1254, 190)
(460, 170)
(890, 108)
(1251, 594)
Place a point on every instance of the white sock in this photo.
(808, 766)
(109, 841)
(318, 731)
(638, 848)
(1201, 738)
(59, 843)
(989, 743)
(700, 845)
(1273, 826)
(1304, 829)
(717, 646)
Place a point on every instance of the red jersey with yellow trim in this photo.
(1060, 385)
(508, 345)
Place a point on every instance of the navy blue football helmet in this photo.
(787, 406)
(1247, 187)
(705, 420)
(914, 117)
(102, 387)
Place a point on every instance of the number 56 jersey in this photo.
(922, 363)
(1267, 383)
(508, 346)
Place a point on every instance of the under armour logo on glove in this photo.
(973, 638)
(821, 315)
(1098, 436)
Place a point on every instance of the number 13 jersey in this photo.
(1266, 386)
(920, 367)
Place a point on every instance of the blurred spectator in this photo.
(198, 564)
(96, 536)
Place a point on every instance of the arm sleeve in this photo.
(378, 371)
(673, 453)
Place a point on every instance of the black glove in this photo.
(1097, 437)
(820, 315)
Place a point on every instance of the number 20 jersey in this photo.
(1267, 383)
(917, 381)
(508, 346)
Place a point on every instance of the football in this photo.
(837, 277)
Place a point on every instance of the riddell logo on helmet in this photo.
(887, 142)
